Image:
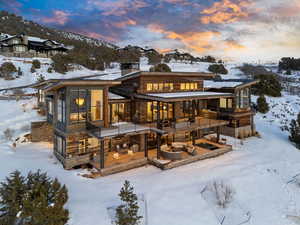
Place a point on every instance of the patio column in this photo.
(158, 122)
(146, 145)
(158, 141)
(102, 154)
(218, 134)
(193, 137)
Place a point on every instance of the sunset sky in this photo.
(236, 29)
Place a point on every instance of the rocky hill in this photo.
(13, 24)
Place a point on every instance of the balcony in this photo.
(119, 129)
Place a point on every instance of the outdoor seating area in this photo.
(181, 153)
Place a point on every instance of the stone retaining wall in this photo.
(41, 131)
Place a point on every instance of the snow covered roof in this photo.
(220, 84)
(36, 39)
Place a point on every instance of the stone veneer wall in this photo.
(41, 131)
(240, 132)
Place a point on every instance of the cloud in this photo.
(11, 5)
(116, 7)
(59, 17)
(125, 23)
(225, 11)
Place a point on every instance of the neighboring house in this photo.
(143, 51)
(116, 123)
(27, 46)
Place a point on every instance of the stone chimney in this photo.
(24, 39)
(129, 67)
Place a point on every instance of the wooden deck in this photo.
(138, 159)
(202, 153)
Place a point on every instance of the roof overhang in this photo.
(182, 96)
(81, 83)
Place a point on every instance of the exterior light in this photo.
(79, 101)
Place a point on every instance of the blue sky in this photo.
(232, 29)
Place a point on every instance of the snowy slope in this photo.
(29, 78)
(258, 170)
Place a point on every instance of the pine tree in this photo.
(295, 131)
(127, 213)
(262, 105)
(11, 198)
(41, 201)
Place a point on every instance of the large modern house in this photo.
(121, 121)
(26, 46)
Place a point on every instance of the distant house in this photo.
(26, 46)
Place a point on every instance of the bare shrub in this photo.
(8, 134)
(223, 193)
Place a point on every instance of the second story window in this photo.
(78, 105)
(160, 86)
(61, 109)
(189, 86)
(226, 103)
(96, 105)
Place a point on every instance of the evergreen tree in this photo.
(11, 197)
(262, 105)
(127, 213)
(162, 67)
(36, 64)
(41, 201)
(295, 131)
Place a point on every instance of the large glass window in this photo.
(50, 107)
(166, 111)
(60, 145)
(149, 87)
(96, 105)
(226, 103)
(242, 98)
(61, 109)
(78, 105)
(189, 86)
(118, 112)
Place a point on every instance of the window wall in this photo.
(226, 103)
(189, 86)
(243, 98)
(96, 108)
(164, 86)
(78, 103)
(61, 108)
(117, 112)
(166, 111)
(60, 145)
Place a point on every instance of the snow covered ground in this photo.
(258, 170)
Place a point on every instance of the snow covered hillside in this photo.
(30, 78)
(262, 172)
(259, 170)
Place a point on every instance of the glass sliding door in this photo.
(96, 105)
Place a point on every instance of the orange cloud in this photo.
(225, 11)
(197, 41)
(124, 23)
(59, 17)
